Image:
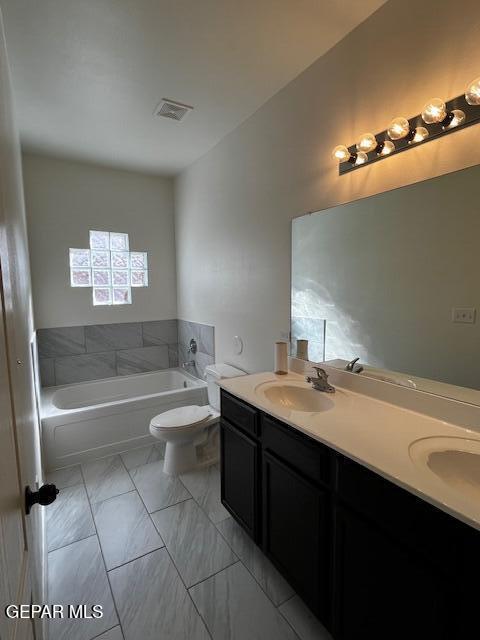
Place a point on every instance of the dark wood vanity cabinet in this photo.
(370, 559)
(296, 523)
(239, 473)
(380, 590)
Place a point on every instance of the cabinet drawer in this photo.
(309, 458)
(239, 413)
(445, 541)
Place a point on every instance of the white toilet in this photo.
(186, 428)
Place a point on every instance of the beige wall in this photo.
(64, 200)
(234, 206)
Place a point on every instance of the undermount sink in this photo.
(455, 461)
(294, 396)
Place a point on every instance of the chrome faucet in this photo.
(190, 363)
(320, 383)
(354, 367)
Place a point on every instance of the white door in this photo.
(15, 587)
(22, 548)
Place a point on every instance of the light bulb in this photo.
(386, 148)
(420, 134)
(367, 142)
(341, 153)
(361, 158)
(472, 94)
(458, 118)
(398, 129)
(434, 111)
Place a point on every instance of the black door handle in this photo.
(45, 495)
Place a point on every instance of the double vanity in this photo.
(369, 509)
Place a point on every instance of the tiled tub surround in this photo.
(76, 354)
(204, 336)
(175, 568)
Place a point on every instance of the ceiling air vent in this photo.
(172, 109)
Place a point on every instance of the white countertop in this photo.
(372, 432)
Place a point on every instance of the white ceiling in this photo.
(88, 74)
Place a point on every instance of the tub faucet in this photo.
(354, 367)
(320, 383)
(190, 363)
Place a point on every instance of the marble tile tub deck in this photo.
(163, 557)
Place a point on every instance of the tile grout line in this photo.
(251, 572)
(116, 496)
(137, 557)
(90, 535)
(173, 563)
(195, 605)
(196, 498)
(169, 506)
(136, 488)
(295, 595)
(62, 546)
(287, 620)
(101, 553)
(237, 561)
(110, 497)
(143, 555)
(176, 567)
(107, 630)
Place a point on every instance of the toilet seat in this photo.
(181, 418)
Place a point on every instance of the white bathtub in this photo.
(90, 420)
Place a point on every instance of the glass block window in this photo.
(109, 267)
(139, 278)
(100, 259)
(80, 277)
(120, 277)
(102, 295)
(120, 260)
(79, 257)
(100, 240)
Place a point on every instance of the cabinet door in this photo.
(295, 526)
(239, 477)
(382, 591)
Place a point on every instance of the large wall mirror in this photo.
(394, 279)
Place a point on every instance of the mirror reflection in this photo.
(394, 280)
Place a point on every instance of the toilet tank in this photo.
(214, 373)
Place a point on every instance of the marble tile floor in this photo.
(163, 557)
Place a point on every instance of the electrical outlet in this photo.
(464, 314)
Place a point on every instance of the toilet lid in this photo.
(181, 417)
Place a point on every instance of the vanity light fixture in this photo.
(436, 119)
(458, 117)
(434, 111)
(420, 134)
(360, 158)
(472, 93)
(399, 128)
(341, 153)
(367, 143)
(385, 148)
